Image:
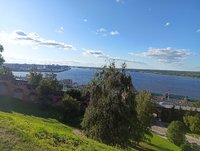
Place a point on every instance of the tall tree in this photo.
(145, 109)
(1, 57)
(111, 116)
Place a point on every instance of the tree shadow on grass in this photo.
(10, 105)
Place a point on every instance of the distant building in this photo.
(68, 84)
(174, 101)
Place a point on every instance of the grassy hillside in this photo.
(28, 132)
(20, 132)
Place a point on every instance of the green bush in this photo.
(192, 123)
(176, 132)
(71, 107)
(186, 147)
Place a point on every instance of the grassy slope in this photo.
(160, 144)
(23, 132)
(19, 132)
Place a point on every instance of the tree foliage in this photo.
(197, 104)
(4, 70)
(176, 132)
(47, 89)
(111, 115)
(145, 109)
(34, 79)
(1, 57)
(74, 93)
(71, 107)
(171, 114)
(190, 147)
(192, 123)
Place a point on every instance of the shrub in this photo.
(71, 107)
(176, 132)
(192, 123)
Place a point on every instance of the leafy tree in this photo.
(197, 104)
(111, 116)
(47, 89)
(190, 147)
(7, 71)
(145, 109)
(176, 132)
(171, 114)
(1, 57)
(186, 147)
(71, 107)
(34, 79)
(193, 123)
(4, 70)
(75, 93)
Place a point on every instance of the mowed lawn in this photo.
(34, 129)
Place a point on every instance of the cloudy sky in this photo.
(148, 34)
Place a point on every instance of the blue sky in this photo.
(149, 34)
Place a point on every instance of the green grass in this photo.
(160, 144)
(20, 132)
(8, 104)
(36, 129)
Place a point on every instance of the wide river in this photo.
(142, 81)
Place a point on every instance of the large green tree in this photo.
(111, 116)
(145, 109)
(176, 132)
(1, 57)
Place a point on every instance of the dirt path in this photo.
(162, 132)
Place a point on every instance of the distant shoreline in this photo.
(175, 73)
(54, 71)
(191, 74)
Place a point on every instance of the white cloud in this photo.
(19, 37)
(198, 30)
(85, 20)
(167, 24)
(113, 33)
(104, 32)
(95, 53)
(100, 54)
(165, 55)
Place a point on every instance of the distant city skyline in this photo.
(144, 34)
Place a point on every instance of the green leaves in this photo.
(145, 109)
(111, 116)
(176, 132)
(1, 57)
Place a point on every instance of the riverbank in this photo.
(173, 73)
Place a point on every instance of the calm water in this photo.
(142, 81)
